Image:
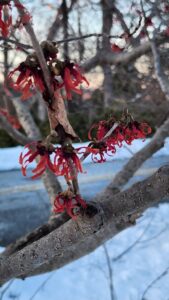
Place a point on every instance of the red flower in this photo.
(101, 130)
(97, 151)
(70, 203)
(44, 162)
(23, 20)
(115, 48)
(98, 154)
(118, 136)
(143, 33)
(5, 18)
(148, 22)
(72, 77)
(11, 119)
(166, 31)
(65, 161)
(166, 8)
(28, 79)
(125, 132)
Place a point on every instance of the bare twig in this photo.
(127, 250)
(110, 271)
(6, 289)
(42, 286)
(154, 282)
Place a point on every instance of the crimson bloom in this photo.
(115, 48)
(70, 203)
(101, 130)
(29, 77)
(148, 22)
(5, 17)
(97, 151)
(98, 154)
(41, 151)
(124, 132)
(72, 77)
(67, 163)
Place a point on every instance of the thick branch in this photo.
(56, 246)
(38, 233)
(141, 192)
(126, 57)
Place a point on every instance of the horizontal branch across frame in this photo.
(115, 211)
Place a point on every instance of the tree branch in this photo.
(53, 248)
(126, 57)
(58, 22)
(14, 133)
(162, 79)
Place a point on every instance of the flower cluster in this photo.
(67, 162)
(67, 201)
(64, 162)
(11, 119)
(30, 75)
(105, 142)
(42, 152)
(6, 17)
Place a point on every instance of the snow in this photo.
(9, 156)
(87, 278)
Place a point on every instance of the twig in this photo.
(72, 39)
(110, 271)
(154, 236)
(41, 286)
(154, 282)
(135, 242)
(6, 289)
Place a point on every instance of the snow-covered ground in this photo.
(9, 156)
(145, 260)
